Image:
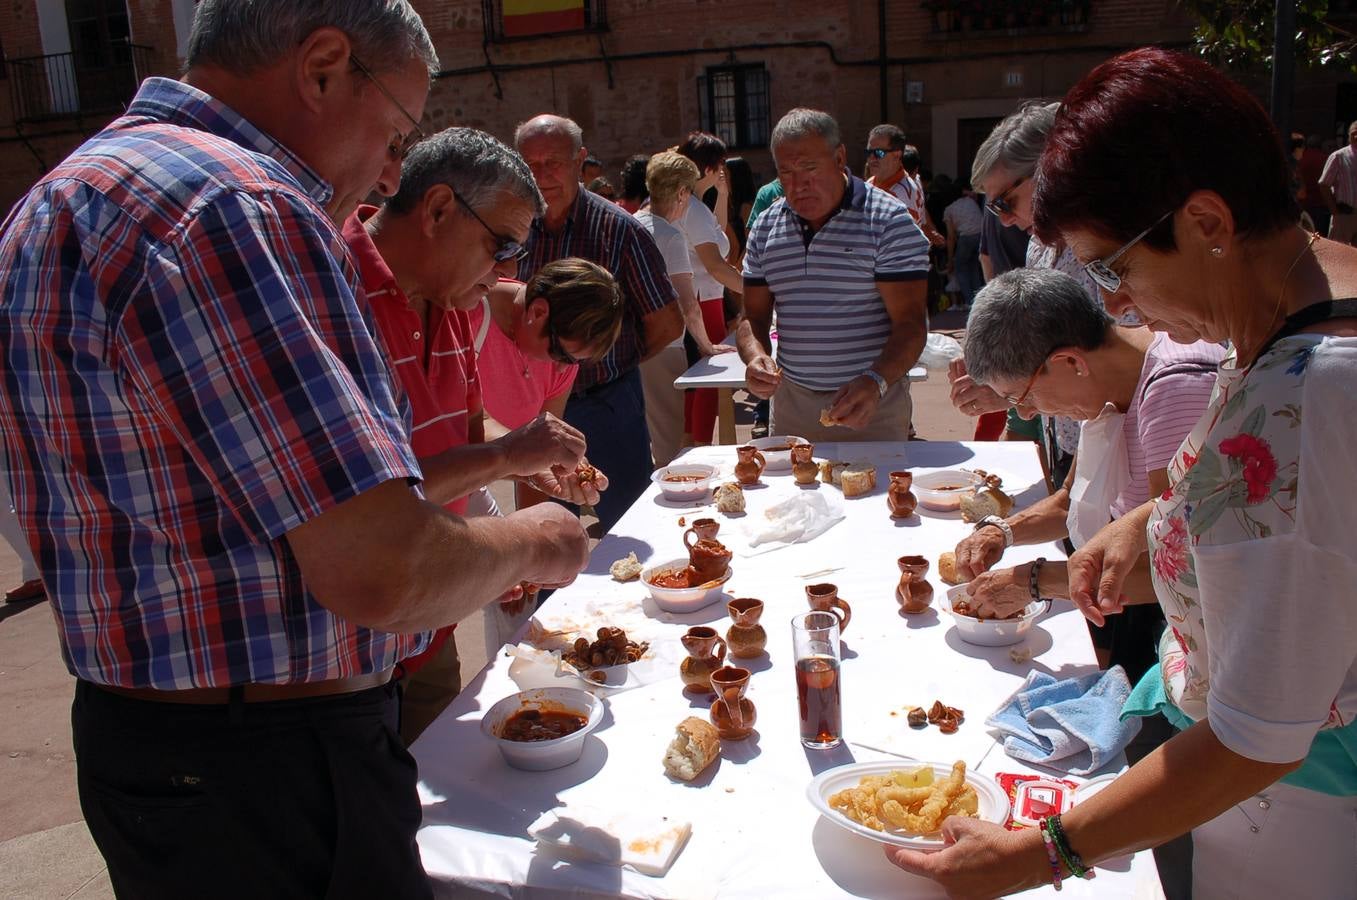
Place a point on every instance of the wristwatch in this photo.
(1000, 524)
(881, 384)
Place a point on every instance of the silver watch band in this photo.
(881, 384)
(1000, 524)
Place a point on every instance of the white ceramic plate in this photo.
(993, 802)
(777, 460)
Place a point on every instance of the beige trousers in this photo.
(1343, 228)
(428, 692)
(796, 411)
(664, 403)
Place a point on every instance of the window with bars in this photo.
(734, 104)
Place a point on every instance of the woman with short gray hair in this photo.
(1043, 344)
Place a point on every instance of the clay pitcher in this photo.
(750, 464)
(708, 560)
(915, 594)
(733, 713)
(825, 598)
(746, 637)
(804, 469)
(701, 530)
(706, 654)
(899, 497)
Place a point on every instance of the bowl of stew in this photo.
(543, 728)
(685, 482)
(672, 587)
(942, 490)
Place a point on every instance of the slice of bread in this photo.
(857, 479)
(696, 746)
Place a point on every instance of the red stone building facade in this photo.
(641, 73)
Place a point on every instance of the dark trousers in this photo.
(295, 798)
(613, 419)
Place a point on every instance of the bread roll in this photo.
(695, 747)
(729, 498)
(827, 420)
(947, 567)
(857, 479)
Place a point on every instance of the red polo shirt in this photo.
(436, 369)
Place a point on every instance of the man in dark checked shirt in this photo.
(607, 404)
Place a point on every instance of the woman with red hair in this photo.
(1171, 186)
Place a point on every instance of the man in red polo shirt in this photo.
(430, 253)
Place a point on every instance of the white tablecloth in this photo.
(754, 833)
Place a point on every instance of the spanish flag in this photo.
(528, 17)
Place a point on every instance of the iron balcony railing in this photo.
(64, 85)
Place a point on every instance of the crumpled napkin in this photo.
(1070, 726)
(802, 517)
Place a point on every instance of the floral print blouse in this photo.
(1253, 549)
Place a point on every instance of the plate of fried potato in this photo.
(904, 804)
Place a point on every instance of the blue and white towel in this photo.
(1072, 726)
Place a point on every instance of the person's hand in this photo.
(969, 398)
(855, 403)
(762, 377)
(555, 545)
(563, 483)
(722, 183)
(512, 600)
(714, 349)
(1000, 593)
(978, 552)
(543, 444)
(1098, 569)
(981, 859)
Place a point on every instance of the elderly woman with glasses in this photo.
(1252, 547)
(1040, 341)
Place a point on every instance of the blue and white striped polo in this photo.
(831, 320)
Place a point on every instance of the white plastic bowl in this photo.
(776, 450)
(682, 600)
(992, 632)
(539, 756)
(942, 490)
(686, 491)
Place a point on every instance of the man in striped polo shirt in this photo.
(607, 402)
(845, 267)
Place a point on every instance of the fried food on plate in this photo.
(908, 801)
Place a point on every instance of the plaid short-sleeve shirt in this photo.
(188, 375)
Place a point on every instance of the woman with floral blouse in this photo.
(1168, 182)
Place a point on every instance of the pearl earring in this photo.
(1217, 252)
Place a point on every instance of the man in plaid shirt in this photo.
(212, 463)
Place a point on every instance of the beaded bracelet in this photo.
(1051, 854)
(1062, 845)
(1033, 575)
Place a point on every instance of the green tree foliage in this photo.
(1238, 33)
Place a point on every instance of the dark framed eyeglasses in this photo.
(555, 350)
(1100, 270)
(1000, 205)
(416, 134)
(1018, 400)
(508, 247)
(879, 152)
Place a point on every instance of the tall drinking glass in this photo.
(815, 641)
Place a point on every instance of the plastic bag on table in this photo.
(800, 518)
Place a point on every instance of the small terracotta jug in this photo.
(733, 713)
(706, 654)
(804, 469)
(750, 464)
(899, 497)
(746, 637)
(915, 594)
(708, 560)
(825, 598)
(701, 530)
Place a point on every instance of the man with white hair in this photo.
(1338, 189)
(607, 403)
(846, 268)
(210, 461)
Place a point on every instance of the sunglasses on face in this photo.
(508, 247)
(878, 152)
(555, 350)
(405, 144)
(1100, 270)
(1000, 205)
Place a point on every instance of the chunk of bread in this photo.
(696, 746)
(830, 469)
(947, 567)
(857, 479)
(827, 420)
(986, 501)
(729, 498)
